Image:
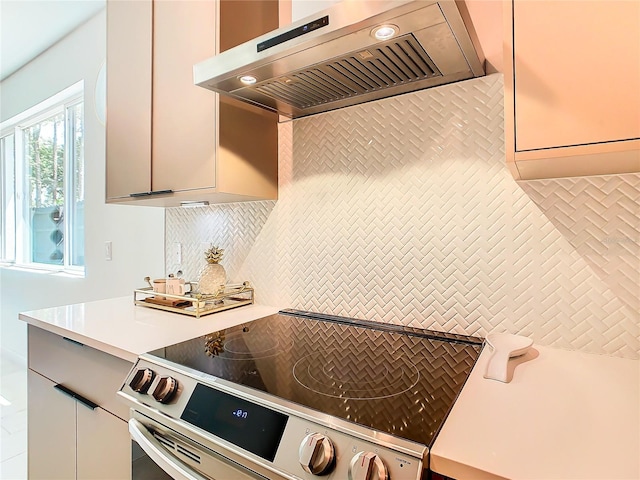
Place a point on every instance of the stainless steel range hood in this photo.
(333, 58)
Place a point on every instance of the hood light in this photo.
(190, 204)
(248, 79)
(384, 32)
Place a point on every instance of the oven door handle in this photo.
(174, 467)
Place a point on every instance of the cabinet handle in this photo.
(148, 194)
(73, 341)
(84, 401)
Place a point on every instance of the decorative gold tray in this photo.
(196, 305)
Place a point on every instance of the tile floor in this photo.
(13, 423)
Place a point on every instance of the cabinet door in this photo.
(577, 72)
(184, 115)
(104, 445)
(51, 430)
(128, 129)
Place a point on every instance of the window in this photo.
(42, 185)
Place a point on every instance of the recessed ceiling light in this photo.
(248, 79)
(384, 32)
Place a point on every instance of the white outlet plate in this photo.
(108, 251)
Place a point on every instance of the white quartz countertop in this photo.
(565, 415)
(118, 327)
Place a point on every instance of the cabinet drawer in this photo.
(91, 373)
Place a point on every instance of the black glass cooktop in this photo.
(399, 380)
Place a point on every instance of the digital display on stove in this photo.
(255, 428)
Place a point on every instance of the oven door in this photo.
(159, 453)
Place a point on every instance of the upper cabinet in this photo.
(572, 87)
(169, 141)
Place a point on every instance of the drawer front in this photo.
(93, 374)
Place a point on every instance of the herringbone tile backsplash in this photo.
(402, 211)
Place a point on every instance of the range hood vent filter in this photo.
(393, 63)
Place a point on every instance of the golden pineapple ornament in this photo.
(213, 277)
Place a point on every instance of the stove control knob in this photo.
(166, 389)
(316, 454)
(367, 466)
(142, 380)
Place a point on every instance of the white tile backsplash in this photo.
(403, 211)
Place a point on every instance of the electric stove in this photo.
(298, 395)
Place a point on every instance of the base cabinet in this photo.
(108, 458)
(77, 426)
(51, 430)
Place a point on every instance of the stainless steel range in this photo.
(296, 396)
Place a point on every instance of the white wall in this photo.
(137, 233)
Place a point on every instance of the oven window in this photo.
(255, 428)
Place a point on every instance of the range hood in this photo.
(333, 59)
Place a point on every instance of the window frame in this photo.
(7, 196)
(17, 225)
